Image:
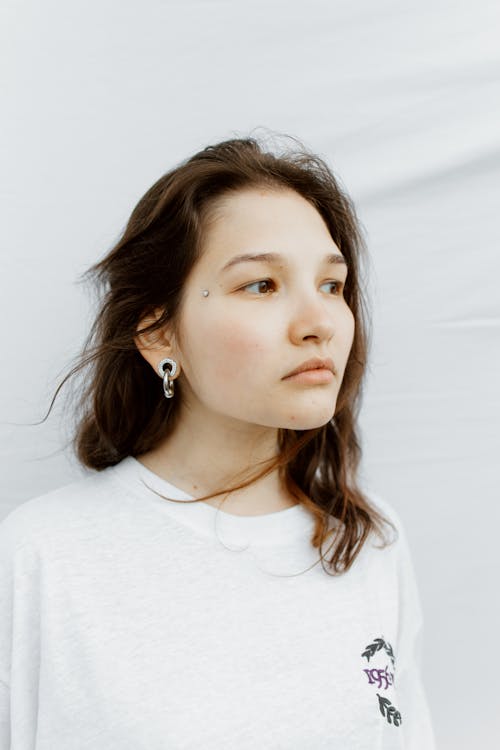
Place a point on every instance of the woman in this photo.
(221, 580)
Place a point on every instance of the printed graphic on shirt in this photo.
(382, 678)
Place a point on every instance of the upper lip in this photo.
(313, 364)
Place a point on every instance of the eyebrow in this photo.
(332, 258)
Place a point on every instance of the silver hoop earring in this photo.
(167, 369)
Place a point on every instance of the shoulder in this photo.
(383, 506)
(392, 565)
(398, 548)
(58, 509)
(398, 553)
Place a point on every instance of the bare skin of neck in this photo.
(262, 497)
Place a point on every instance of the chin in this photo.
(305, 425)
(310, 421)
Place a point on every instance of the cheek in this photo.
(350, 326)
(230, 349)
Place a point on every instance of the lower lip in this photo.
(312, 376)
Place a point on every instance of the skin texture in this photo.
(239, 343)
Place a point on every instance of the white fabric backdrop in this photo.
(101, 97)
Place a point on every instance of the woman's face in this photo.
(262, 319)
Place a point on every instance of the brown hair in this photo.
(122, 410)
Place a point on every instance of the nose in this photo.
(312, 317)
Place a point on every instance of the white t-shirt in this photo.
(132, 622)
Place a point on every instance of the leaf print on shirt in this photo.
(388, 710)
(382, 678)
(375, 646)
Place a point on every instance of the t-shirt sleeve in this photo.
(413, 705)
(6, 607)
(4, 716)
(19, 618)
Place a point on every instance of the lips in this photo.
(313, 364)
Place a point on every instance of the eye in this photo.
(263, 286)
(339, 284)
(256, 283)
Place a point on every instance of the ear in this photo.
(154, 345)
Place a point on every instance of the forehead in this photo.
(264, 220)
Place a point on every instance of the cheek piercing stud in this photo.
(205, 292)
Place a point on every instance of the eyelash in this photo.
(340, 285)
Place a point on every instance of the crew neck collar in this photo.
(279, 527)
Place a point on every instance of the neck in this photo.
(204, 456)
